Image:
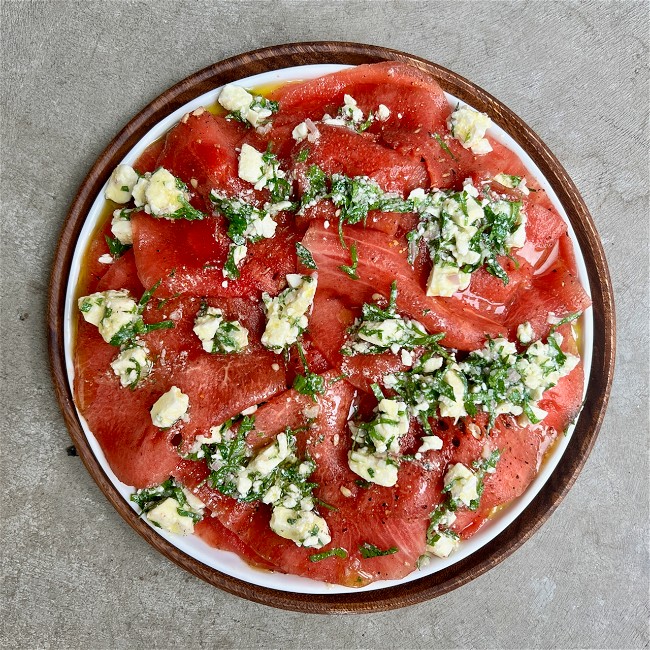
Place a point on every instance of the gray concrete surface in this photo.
(75, 575)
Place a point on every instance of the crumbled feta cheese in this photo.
(105, 259)
(252, 167)
(286, 314)
(468, 127)
(169, 408)
(432, 364)
(166, 516)
(110, 311)
(121, 227)
(251, 108)
(430, 443)
(121, 184)
(132, 364)
(219, 335)
(235, 98)
(311, 412)
(373, 468)
(461, 483)
(300, 132)
(383, 112)
(159, 193)
(304, 528)
(270, 457)
(447, 280)
(525, 333)
(444, 545)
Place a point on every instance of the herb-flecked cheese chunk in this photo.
(169, 408)
(167, 517)
(286, 314)
(121, 184)
(461, 483)
(304, 528)
(218, 335)
(121, 226)
(110, 311)
(132, 364)
(159, 193)
(468, 127)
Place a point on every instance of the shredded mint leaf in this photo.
(368, 550)
(567, 319)
(333, 552)
(116, 247)
(443, 145)
(351, 270)
(305, 256)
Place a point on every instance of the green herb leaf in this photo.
(333, 552)
(368, 550)
(116, 247)
(305, 257)
(351, 270)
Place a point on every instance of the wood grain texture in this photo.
(600, 378)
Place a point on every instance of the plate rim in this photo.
(599, 381)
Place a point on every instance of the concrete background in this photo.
(75, 575)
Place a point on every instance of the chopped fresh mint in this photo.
(368, 550)
(333, 552)
(116, 247)
(443, 145)
(305, 257)
(351, 270)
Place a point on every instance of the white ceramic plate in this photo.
(227, 562)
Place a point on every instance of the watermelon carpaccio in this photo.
(390, 123)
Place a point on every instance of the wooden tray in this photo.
(599, 381)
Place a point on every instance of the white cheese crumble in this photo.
(132, 364)
(169, 408)
(253, 109)
(525, 333)
(121, 184)
(377, 440)
(217, 334)
(513, 182)
(286, 314)
(444, 545)
(305, 528)
(461, 483)
(160, 194)
(306, 130)
(430, 443)
(121, 226)
(166, 516)
(448, 224)
(372, 467)
(468, 127)
(110, 311)
(106, 258)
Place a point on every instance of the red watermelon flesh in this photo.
(556, 292)
(387, 222)
(414, 99)
(381, 516)
(203, 148)
(148, 160)
(189, 256)
(382, 260)
(340, 150)
(215, 534)
(139, 453)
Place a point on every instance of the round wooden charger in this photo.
(600, 379)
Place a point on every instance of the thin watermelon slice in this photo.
(381, 261)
